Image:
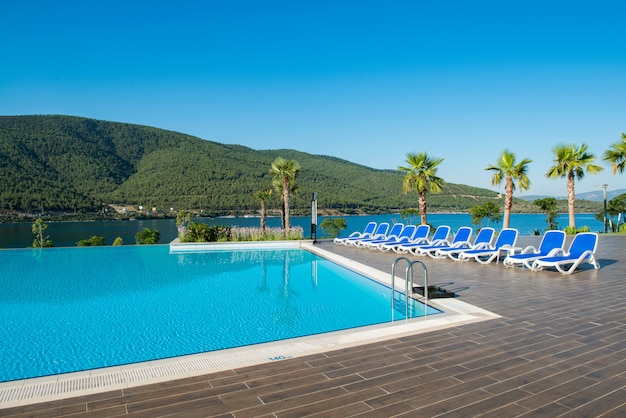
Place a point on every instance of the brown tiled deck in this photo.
(559, 349)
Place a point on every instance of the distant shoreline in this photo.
(96, 217)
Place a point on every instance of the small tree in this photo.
(488, 210)
(147, 236)
(408, 214)
(38, 228)
(332, 227)
(548, 206)
(183, 218)
(617, 207)
(118, 241)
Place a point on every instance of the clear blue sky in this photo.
(366, 81)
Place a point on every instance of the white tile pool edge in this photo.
(43, 389)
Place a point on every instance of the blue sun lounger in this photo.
(506, 241)
(395, 232)
(405, 236)
(461, 240)
(551, 244)
(441, 235)
(482, 240)
(381, 232)
(420, 235)
(367, 232)
(581, 250)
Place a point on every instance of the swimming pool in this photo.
(72, 309)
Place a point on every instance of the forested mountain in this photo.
(64, 163)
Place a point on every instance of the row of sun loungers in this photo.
(414, 239)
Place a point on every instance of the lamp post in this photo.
(314, 217)
(604, 186)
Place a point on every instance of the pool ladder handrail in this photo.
(409, 269)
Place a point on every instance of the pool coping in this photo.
(48, 388)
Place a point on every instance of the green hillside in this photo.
(63, 163)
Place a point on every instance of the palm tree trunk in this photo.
(508, 202)
(571, 198)
(286, 203)
(263, 216)
(422, 203)
(282, 210)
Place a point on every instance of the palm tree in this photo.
(285, 172)
(277, 184)
(616, 155)
(262, 196)
(421, 176)
(508, 170)
(572, 163)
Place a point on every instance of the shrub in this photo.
(271, 234)
(147, 236)
(118, 241)
(199, 232)
(94, 241)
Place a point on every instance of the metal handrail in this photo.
(409, 269)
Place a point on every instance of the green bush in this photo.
(118, 241)
(570, 230)
(147, 236)
(94, 241)
(199, 232)
(332, 227)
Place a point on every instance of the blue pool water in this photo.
(71, 309)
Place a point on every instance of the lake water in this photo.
(67, 234)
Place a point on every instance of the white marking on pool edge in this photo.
(278, 358)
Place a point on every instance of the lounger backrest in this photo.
(396, 230)
(408, 231)
(382, 228)
(584, 241)
(463, 234)
(369, 228)
(441, 233)
(551, 240)
(421, 232)
(508, 236)
(485, 235)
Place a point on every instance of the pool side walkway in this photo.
(557, 349)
